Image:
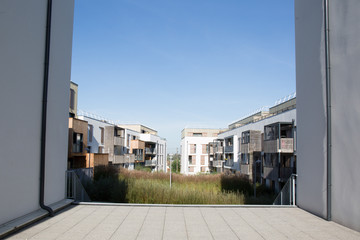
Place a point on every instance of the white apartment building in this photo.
(194, 154)
(33, 148)
(126, 144)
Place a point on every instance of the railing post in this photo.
(294, 196)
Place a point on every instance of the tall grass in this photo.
(157, 191)
(153, 188)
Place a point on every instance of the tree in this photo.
(175, 165)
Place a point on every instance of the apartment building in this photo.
(327, 83)
(194, 149)
(263, 145)
(126, 145)
(73, 100)
(77, 143)
(216, 155)
(34, 146)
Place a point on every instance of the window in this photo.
(77, 143)
(197, 134)
(128, 140)
(271, 132)
(192, 160)
(72, 99)
(102, 134)
(192, 148)
(90, 129)
(245, 137)
(204, 149)
(101, 150)
(202, 160)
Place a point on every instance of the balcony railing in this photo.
(229, 163)
(245, 169)
(119, 141)
(272, 146)
(229, 148)
(126, 158)
(150, 163)
(217, 164)
(150, 151)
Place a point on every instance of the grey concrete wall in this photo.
(345, 72)
(22, 27)
(311, 106)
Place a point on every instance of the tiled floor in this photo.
(136, 222)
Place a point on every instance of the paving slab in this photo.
(183, 222)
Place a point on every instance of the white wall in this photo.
(96, 139)
(311, 105)
(161, 155)
(286, 116)
(22, 44)
(185, 148)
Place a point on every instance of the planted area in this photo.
(111, 185)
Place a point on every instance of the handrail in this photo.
(74, 188)
(287, 195)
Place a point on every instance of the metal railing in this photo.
(217, 163)
(229, 148)
(287, 195)
(229, 163)
(74, 188)
(151, 162)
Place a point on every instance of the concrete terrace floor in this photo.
(175, 222)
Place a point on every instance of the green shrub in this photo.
(106, 185)
(105, 171)
(235, 183)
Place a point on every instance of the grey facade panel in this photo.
(345, 71)
(345, 114)
(22, 47)
(311, 106)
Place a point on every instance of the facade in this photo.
(126, 147)
(77, 139)
(327, 75)
(25, 186)
(263, 145)
(155, 151)
(194, 149)
(73, 100)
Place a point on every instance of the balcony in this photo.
(271, 173)
(150, 163)
(138, 158)
(219, 149)
(229, 148)
(217, 164)
(245, 169)
(126, 158)
(272, 146)
(151, 151)
(229, 163)
(119, 141)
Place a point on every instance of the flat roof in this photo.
(178, 222)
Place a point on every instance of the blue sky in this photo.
(172, 64)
